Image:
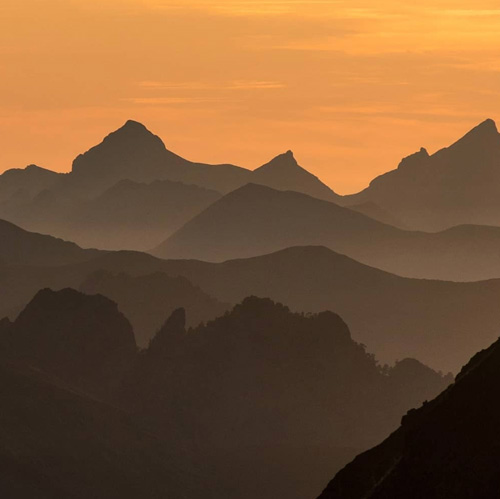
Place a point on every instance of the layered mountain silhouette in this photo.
(448, 448)
(396, 317)
(130, 192)
(255, 220)
(148, 299)
(456, 185)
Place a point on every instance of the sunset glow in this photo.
(350, 86)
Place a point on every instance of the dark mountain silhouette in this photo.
(456, 185)
(147, 300)
(21, 247)
(448, 448)
(255, 220)
(276, 386)
(82, 339)
(253, 398)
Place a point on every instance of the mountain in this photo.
(414, 317)
(131, 192)
(256, 220)
(252, 398)
(147, 300)
(271, 389)
(450, 447)
(456, 185)
(82, 339)
(285, 174)
(20, 247)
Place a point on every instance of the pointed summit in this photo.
(282, 161)
(285, 174)
(483, 135)
(131, 152)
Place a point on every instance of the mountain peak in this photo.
(483, 134)
(282, 161)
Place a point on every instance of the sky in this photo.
(351, 86)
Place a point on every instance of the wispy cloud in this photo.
(196, 85)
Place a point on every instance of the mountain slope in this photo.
(456, 185)
(21, 247)
(256, 220)
(448, 448)
(285, 174)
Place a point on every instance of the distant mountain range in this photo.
(449, 448)
(235, 398)
(255, 219)
(457, 185)
(130, 192)
(438, 322)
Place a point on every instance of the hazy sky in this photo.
(351, 86)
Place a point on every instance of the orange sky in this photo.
(350, 85)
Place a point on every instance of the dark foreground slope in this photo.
(255, 220)
(449, 448)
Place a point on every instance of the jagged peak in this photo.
(414, 159)
(285, 160)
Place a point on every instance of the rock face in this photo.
(456, 185)
(81, 339)
(450, 447)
